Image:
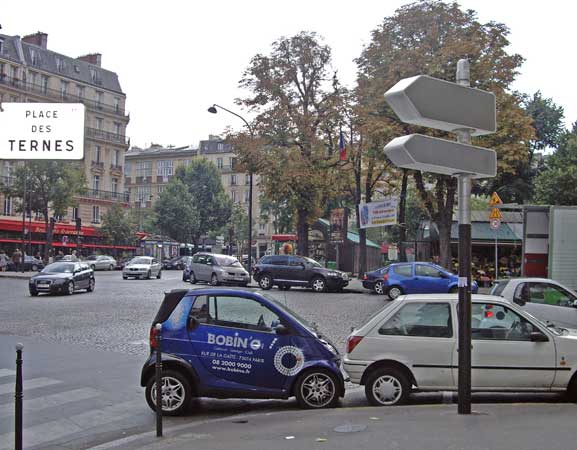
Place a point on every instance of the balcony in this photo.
(106, 136)
(59, 96)
(123, 197)
(116, 168)
(97, 166)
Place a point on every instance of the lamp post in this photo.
(213, 110)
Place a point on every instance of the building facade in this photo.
(30, 72)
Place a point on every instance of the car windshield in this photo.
(140, 261)
(290, 312)
(91, 258)
(59, 268)
(227, 261)
(312, 262)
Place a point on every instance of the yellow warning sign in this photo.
(496, 214)
(495, 200)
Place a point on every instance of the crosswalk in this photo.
(55, 412)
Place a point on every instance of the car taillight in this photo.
(152, 338)
(365, 276)
(352, 342)
(386, 276)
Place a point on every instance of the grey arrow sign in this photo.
(440, 104)
(435, 155)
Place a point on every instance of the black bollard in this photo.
(18, 400)
(158, 381)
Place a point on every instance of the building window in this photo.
(160, 189)
(219, 163)
(246, 196)
(127, 168)
(144, 169)
(247, 179)
(80, 91)
(33, 79)
(93, 75)
(44, 84)
(116, 104)
(96, 182)
(143, 194)
(60, 64)
(1, 45)
(7, 206)
(117, 129)
(74, 213)
(96, 214)
(116, 158)
(99, 99)
(233, 196)
(97, 154)
(99, 123)
(114, 183)
(233, 180)
(219, 147)
(33, 57)
(164, 168)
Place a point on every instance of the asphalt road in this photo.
(118, 314)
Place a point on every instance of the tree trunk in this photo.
(49, 236)
(402, 213)
(302, 233)
(445, 257)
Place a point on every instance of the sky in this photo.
(175, 58)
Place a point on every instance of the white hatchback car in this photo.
(411, 344)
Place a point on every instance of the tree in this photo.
(50, 188)
(295, 98)
(237, 227)
(175, 212)
(556, 184)
(117, 225)
(279, 212)
(429, 37)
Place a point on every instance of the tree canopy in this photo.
(117, 225)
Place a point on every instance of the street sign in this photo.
(435, 155)
(52, 131)
(494, 224)
(440, 104)
(495, 200)
(496, 214)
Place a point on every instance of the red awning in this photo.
(39, 227)
(71, 244)
(284, 237)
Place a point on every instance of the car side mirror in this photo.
(536, 336)
(303, 265)
(281, 329)
(193, 323)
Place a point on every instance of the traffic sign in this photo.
(495, 200)
(440, 104)
(430, 154)
(53, 131)
(494, 224)
(496, 214)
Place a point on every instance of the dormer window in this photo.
(94, 76)
(1, 45)
(34, 57)
(60, 64)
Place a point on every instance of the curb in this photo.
(16, 277)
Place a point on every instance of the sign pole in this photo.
(464, 194)
(496, 257)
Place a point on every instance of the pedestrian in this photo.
(59, 256)
(17, 260)
(3, 261)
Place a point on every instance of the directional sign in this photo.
(495, 224)
(42, 131)
(440, 104)
(495, 200)
(429, 154)
(496, 214)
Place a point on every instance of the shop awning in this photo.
(284, 237)
(482, 232)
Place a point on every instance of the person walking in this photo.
(17, 260)
(3, 261)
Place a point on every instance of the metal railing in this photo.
(106, 136)
(106, 195)
(59, 95)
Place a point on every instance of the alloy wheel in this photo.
(173, 394)
(319, 285)
(70, 288)
(318, 390)
(394, 292)
(379, 288)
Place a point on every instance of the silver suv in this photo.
(216, 269)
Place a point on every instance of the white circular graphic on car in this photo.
(289, 360)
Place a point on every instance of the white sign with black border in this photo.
(52, 131)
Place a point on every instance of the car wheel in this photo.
(454, 290)
(34, 268)
(184, 277)
(379, 288)
(148, 275)
(124, 278)
(214, 280)
(91, 284)
(316, 389)
(319, 284)
(70, 288)
(387, 387)
(192, 278)
(265, 282)
(110, 267)
(159, 275)
(92, 266)
(176, 393)
(284, 287)
(571, 393)
(33, 292)
(394, 291)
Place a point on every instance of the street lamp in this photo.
(213, 110)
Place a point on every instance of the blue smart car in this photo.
(228, 343)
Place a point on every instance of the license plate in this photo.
(44, 282)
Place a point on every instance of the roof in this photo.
(437, 298)
(481, 231)
(352, 236)
(17, 50)
(158, 151)
(483, 216)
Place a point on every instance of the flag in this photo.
(342, 148)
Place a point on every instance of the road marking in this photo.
(7, 372)
(39, 434)
(33, 383)
(50, 401)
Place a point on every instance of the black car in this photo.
(176, 263)
(30, 264)
(62, 278)
(375, 280)
(285, 271)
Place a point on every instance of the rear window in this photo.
(499, 287)
(171, 299)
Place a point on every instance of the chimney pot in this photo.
(39, 39)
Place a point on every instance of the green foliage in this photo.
(118, 226)
(547, 120)
(279, 212)
(175, 212)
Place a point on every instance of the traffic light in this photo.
(78, 223)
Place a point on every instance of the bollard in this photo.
(158, 381)
(18, 400)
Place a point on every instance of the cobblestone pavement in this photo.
(118, 314)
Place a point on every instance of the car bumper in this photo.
(234, 279)
(337, 283)
(47, 289)
(135, 274)
(355, 369)
(368, 284)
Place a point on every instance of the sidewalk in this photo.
(17, 275)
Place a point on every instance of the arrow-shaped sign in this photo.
(435, 155)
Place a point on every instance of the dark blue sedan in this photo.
(412, 278)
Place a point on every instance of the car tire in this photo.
(159, 275)
(453, 290)
(70, 288)
(214, 280)
(149, 275)
(124, 278)
(284, 287)
(92, 266)
(571, 393)
(394, 291)
(265, 282)
(379, 288)
(110, 267)
(34, 268)
(319, 284)
(387, 387)
(179, 393)
(192, 278)
(33, 293)
(317, 389)
(91, 285)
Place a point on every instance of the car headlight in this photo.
(333, 274)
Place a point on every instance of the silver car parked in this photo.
(101, 262)
(142, 267)
(217, 269)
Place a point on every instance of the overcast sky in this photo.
(176, 58)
